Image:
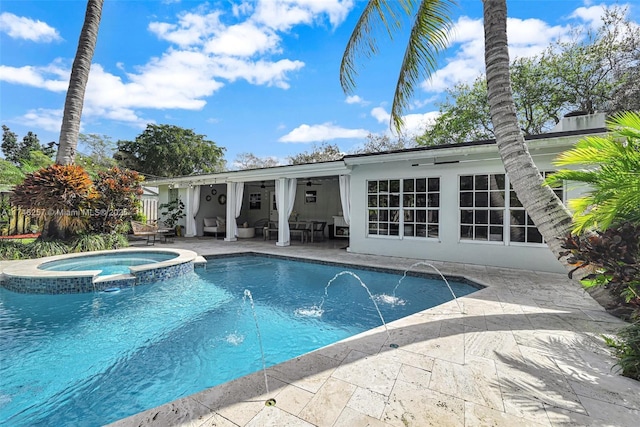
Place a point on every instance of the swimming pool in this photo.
(92, 358)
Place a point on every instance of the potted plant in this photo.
(172, 212)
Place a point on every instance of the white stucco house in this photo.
(448, 202)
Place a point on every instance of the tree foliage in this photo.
(592, 71)
(378, 143)
(20, 153)
(324, 152)
(245, 161)
(168, 151)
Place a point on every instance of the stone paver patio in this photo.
(526, 350)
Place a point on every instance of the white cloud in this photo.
(282, 15)
(355, 99)
(380, 114)
(18, 27)
(41, 118)
(323, 132)
(591, 15)
(40, 77)
(192, 29)
(414, 124)
(527, 37)
(243, 40)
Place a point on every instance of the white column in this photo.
(188, 196)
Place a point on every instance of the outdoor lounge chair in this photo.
(147, 231)
(214, 226)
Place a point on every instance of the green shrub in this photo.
(42, 248)
(627, 349)
(11, 250)
(88, 243)
(116, 241)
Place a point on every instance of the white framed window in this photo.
(482, 205)
(408, 207)
(490, 211)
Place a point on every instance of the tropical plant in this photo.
(627, 350)
(118, 199)
(428, 37)
(74, 100)
(11, 249)
(43, 248)
(88, 243)
(59, 197)
(116, 240)
(613, 194)
(173, 212)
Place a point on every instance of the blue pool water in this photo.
(90, 359)
(116, 263)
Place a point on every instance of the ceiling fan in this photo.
(309, 183)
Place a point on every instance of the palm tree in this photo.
(428, 37)
(74, 101)
(614, 176)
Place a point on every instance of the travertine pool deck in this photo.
(527, 350)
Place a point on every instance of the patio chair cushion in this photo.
(210, 222)
(221, 222)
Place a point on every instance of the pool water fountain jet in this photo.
(393, 299)
(317, 310)
(247, 294)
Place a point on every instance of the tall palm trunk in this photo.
(74, 101)
(543, 206)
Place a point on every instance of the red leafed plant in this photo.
(612, 257)
(59, 197)
(118, 199)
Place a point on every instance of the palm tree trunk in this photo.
(77, 84)
(545, 209)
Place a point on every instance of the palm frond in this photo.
(428, 38)
(377, 14)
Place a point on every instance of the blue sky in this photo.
(259, 76)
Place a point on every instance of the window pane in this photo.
(408, 215)
(497, 199)
(421, 185)
(372, 186)
(394, 201)
(421, 216)
(373, 201)
(533, 235)
(496, 217)
(421, 200)
(495, 234)
(433, 231)
(434, 200)
(394, 186)
(408, 185)
(384, 201)
(466, 182)
(482, 200)
(394, 215)
(466, 217)
(517, 217)
(466, 199)
(481, 182)
(383, 186)
(409, 201)
(421, 230)
(434, 216)
(497, 182)
(434, 184)
(513, 200)
(394, 230)
(482, 217)
(530, 221)
(466, 232)
(481, 232)
(409, 230)
(517, 234)
(373, 215)
(384, 215)
(373, 228)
